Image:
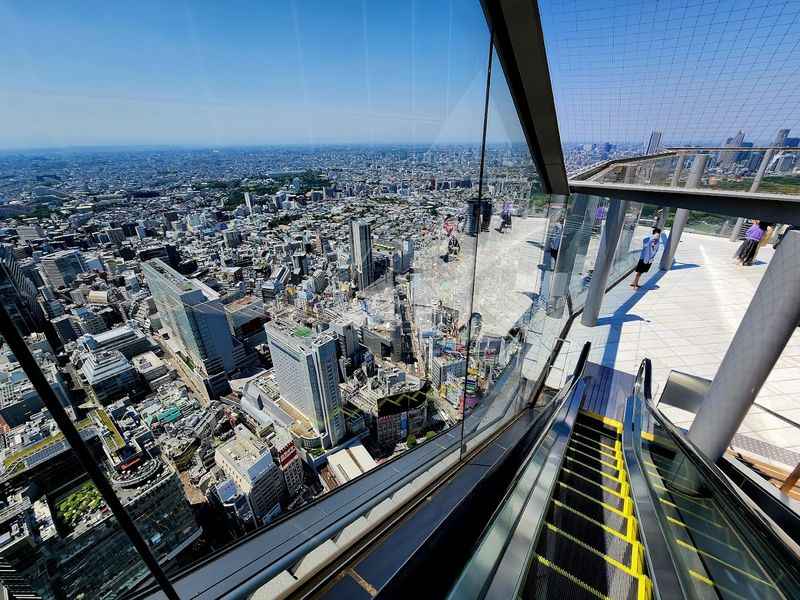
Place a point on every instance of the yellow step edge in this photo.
(646, 435)
(600, 460)
(613, 562)
(707, 581)
(613, 423)
(645, 589)
(615, 532)
(726, 564)
(614, 435)
(637, 558)
(603, 452)
(633, 529)
(600, 485)
(619, 478)
(585, 586)
(599, 443)
(694, 531)
(690, 512)
(621, 512)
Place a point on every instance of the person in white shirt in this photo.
(649, 251)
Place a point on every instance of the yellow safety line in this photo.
(598, 442)
(707, 581)
(689, 512)
(586, 587)
(613, 562)
(646, 435)
(619, 478)
(617, 466)
(620, 512)
(603, 452)
(724, 563)
(622, 490)
(611, 530)
(603, 419)
(702, 533)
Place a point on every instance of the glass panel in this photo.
(507, 268)
(57, 534)
(276, 299)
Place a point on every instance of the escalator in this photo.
(589, 526)
(625, 508)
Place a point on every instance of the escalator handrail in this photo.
(556, 406)
(758, 522)
(659, 555)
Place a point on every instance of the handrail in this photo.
(498, 534)
(659, 556)
(775, 540)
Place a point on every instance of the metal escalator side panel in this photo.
(658, 553)
(543, 460)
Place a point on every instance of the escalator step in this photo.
(597, 530)
(570, 494)
(595, 441)
(546, 581)
(592, 430)
(601, 453)
(593, 460)
(615, 551)
(585, 465)
(609, 577)
(569, 475)
(598, 423)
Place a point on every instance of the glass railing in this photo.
(303, 305)
(718, 540)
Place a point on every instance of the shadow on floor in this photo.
(620, 316)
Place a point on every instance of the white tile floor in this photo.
(684, 319)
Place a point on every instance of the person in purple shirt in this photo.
(747, 251)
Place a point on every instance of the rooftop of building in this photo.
(246, 454)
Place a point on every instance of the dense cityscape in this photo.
(236, 332)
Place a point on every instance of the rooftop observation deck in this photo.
(684, 320)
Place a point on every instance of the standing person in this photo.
(648, 254)
(766, 232)
(747, 251)
(505, 215)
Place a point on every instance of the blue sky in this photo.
(308, 71)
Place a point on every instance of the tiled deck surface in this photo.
(684, 319)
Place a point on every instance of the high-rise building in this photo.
(62, 268)
(249, 464)
(18, 294)
(727, 158)
(654, 143)
(308, 376)
(780, 138)
(195, 317)
(361, 253)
